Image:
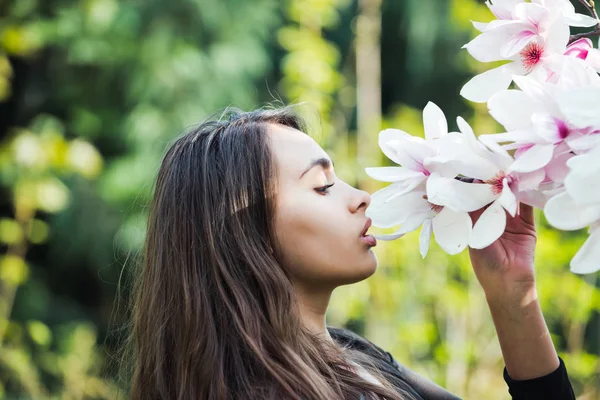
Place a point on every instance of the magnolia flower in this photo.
(505, 9)
(494, 183)
(539, 128)
(404, 202)
(584, 50)
(452, 229)
(529, 35)
(579, 206)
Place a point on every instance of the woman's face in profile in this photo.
(318, 229)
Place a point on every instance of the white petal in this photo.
(489, 227)
(480, 26)
(392, 174)
(486, 47)
(434, 121)
(425, 237)
(411, 152)
(583, 183)
(563, 212)
(483, 86)
(412, 222)
(557, 37)
(452, 230)
(581, 106)
(530, 12)
(539, 92)
(507, 199)
(536, 157)
(513, 109)
(459, 196)
(391, 135)
(386, 213)
(580, 20)
(587, 259)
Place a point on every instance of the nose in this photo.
(362, 201)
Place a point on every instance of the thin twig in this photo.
(595, 32)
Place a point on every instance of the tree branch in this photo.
(593, 33)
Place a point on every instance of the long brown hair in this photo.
(214, 314)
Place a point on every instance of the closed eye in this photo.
(324, 189)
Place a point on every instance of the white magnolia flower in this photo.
(529, 35)
(404, 202)
(579, 206)
(494, 183)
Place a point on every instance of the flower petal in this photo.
(587, 259)
(581, 106)
(563, 212)
(434, 121)
(392, 174)
(536, 157)
(483, 86)
(486, 47)
(508, 199)
(452, 230)
(387, 209)
(425, 237)
(513, 109)
(459, 196)
(582, 182)
(391, 135)
(489, 227)
(580, 20)
(411, 152)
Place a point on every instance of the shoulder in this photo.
(422, 385)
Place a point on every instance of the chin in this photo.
(367, 268)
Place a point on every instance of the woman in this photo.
(249, 233)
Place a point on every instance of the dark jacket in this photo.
(554, 386)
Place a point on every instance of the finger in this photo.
(526, 213)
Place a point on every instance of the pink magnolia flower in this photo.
(584, 50)
(529, 35)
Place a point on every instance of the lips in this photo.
(366, 228)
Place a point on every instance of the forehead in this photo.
(293, 149)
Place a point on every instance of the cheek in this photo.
(318, 242)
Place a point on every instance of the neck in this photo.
(313, 307)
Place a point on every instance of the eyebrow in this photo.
(323, 162)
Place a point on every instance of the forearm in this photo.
(524, 338)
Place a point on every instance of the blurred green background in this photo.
(92, 91)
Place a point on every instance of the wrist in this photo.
(513, 293)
